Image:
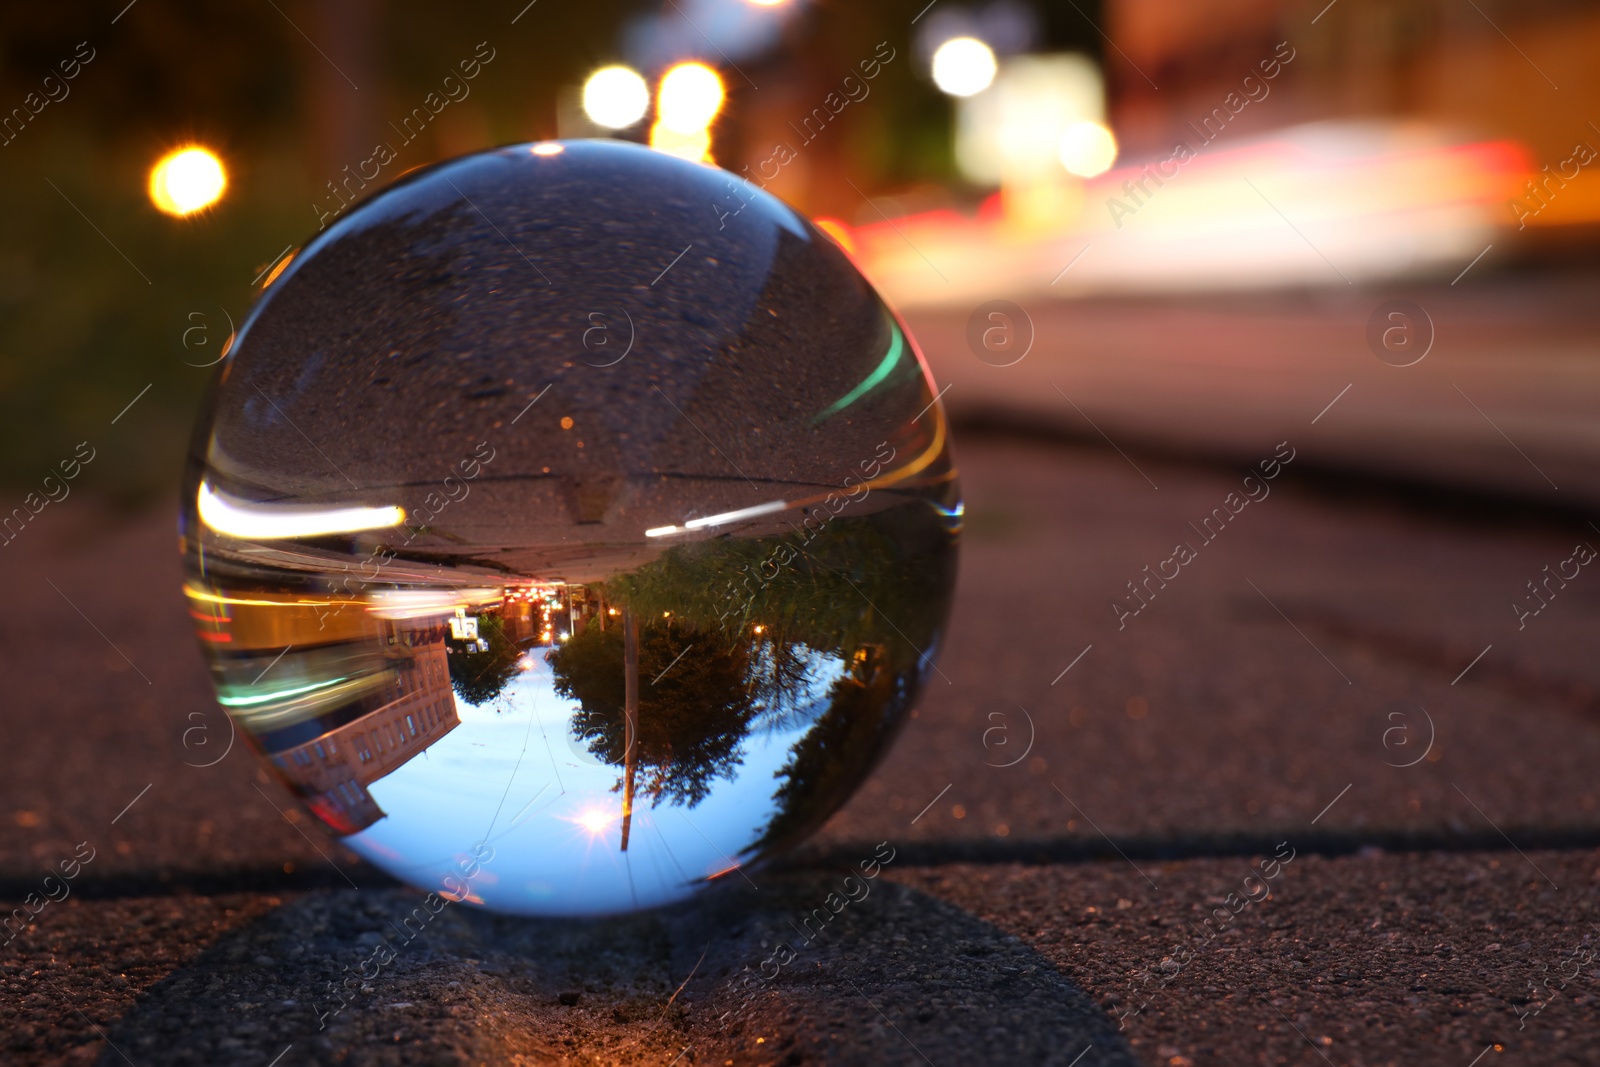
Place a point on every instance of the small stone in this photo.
(569, 997)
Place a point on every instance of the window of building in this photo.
(412, 723)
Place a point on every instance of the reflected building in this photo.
(333, 771)
(332, 695)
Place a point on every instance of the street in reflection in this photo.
(617, 742)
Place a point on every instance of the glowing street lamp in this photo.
(689, 97)
(186, 181)
(594, 819)
(964, 66)
(693, 146)
(615, 97)
(687, 100)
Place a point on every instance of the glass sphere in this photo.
(570, 525)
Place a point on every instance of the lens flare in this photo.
(594, 820)
(615, 97)
(186, 181)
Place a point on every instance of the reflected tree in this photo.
(882, 580)
(695, 704)
(479, 676)
(842, 745)
(736, 628)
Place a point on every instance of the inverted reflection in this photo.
(600, 633)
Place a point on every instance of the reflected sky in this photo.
(512, 775)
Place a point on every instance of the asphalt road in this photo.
(1497, 391)
(1337, 680)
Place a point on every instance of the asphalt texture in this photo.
(1327, 737)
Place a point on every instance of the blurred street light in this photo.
(963, 66)
(186, 181)
(687, 100)
(1088, 149)
(1012, 133)
(615, 97)
(693, 146)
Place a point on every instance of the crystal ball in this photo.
(569, 526)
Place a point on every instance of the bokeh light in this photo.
(963, 66)
(186, 181)
(615, 97)
(688, 98)
(1088, 149)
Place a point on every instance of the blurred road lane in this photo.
(1505, 402)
